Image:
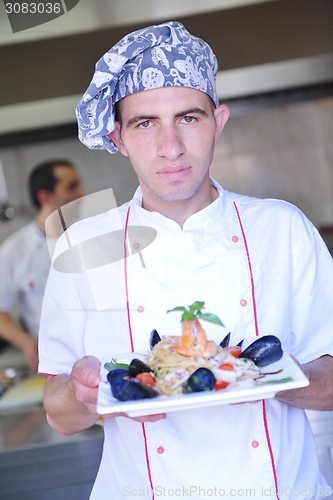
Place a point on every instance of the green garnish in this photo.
(281, 381)
(113, 365)
(193, 312)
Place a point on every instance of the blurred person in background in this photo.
(25, 260)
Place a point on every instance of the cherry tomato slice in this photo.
(226, 366)
(220, 384)
(235, 350)
(146, 378)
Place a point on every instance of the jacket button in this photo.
(136, 245)
(160, 450)
(255, 444)
(140, 309)
(234, 239)
(243, 302)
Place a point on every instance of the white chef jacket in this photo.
(261, 266)
(24, 267)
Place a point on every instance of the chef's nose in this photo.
(170, 142)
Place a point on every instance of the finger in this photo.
(149, 418)
(246, 402)
(144, 418)
(93, 362)
(85, 395)
(87, 377)
(86, 373)
(90, 377)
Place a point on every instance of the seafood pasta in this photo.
(172, 369)
(190, 362)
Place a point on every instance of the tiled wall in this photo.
(281, 152)
(99, 171)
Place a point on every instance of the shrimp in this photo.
(188, 335)
(191, 345)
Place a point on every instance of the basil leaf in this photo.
(281, 381)
(197, 306)
(211, 318)
(113, 365)
(194, 311)
(176, 309)
(188, 315)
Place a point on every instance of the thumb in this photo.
(93, 378)
(86, 372)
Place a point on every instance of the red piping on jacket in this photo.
(257, 333)
(132, 346)
(251, 274)
(126, 282)
(147, 460)
(269, 446)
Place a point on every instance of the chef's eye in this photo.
(188, 119)
(145, 124)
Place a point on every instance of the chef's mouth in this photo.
(174, 173)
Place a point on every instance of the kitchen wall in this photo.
(283, 151)
(99, 170)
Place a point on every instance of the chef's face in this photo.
(169, 135)
(68, 186)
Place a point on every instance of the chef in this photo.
(25, 260)
(260, 265)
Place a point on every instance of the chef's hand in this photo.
(145, 418)
(85, 378)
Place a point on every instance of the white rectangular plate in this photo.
(239, 392)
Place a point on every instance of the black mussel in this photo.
(226, 340)
(264, 351)
(137, 366)
(128, 390)
(154, 339)
(240, 343)
(117, 373)
(201, 380)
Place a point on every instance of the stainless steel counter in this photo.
(37, 463)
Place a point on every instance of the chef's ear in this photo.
(115, 137)
(44, 197)
(221, 114)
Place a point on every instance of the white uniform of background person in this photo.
(24, 267)
(25, 260)
(239, 449)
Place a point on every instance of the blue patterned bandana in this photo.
(154, 57)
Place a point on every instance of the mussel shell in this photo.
(201, 380)
(154, 339)
(264, 351)
(226, 340)
(137, 366)
(117, 373)
(128, 390)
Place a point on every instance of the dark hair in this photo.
(42, 177)
(117, 113)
